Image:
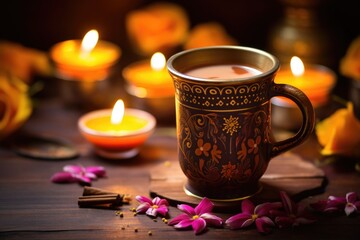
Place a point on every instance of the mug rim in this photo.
(175, 72)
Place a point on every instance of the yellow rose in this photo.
(15, 104)
(339, 134)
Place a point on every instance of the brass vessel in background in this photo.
(303, 32)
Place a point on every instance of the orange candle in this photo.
(149, 78)
(315, 81)
(118, 132)
(87, 59)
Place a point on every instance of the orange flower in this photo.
(254, 144)
(208, 34)
(215, 154)
(202, 148)
(228, 170)
(241, 154)
(339, 133)
(158, 27)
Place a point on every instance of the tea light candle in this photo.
(87, 59)
(149, 78)
(315, 81)
(117, 133)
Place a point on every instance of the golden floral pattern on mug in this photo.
(223, 148)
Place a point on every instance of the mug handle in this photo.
(307, 112)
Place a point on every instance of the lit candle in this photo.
(87, 59)
(149, 78)
(118, 132)
(315, 81)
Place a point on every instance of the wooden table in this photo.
(32, 207)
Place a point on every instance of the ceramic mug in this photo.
(223, 118)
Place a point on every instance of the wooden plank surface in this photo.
(32, 207)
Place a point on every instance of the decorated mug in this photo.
(223, 118)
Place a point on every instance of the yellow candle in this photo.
(315, 81)
(117, 137)
(87, 59)
(149, 78)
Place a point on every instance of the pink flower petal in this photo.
(74, 169)
(162, 202)
(319, 205)
(186, 209)
(143, 199)
(239, 220)
(156, 200)
(212, 220)
(185, 223)
(178, 219)
(151, 211)
(90, 175)
(143, 207)
(198, 225)
(63, 177)
(351, 197)
(264, 208)
(264, 224)
(99, 171)
(247, 206)
(284, 221)
(163, 210)
(336, 200)
(349, 209)
(205, 206)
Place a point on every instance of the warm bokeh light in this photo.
(89, 41)
(297, 66)
(118, 112)
(158, 61)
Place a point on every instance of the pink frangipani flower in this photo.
(350, 204)
(251, 214)
(196, 218)
(292, 214)
(152, 207)
(77, 173)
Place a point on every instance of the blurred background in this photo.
(324, 28)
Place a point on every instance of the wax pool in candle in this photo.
(129, 124)
(224, 71)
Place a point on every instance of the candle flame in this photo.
(158, 61)
(89, 41)
(297, 66)
(118, 111)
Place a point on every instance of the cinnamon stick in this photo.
(90, 201)
(95, 197)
